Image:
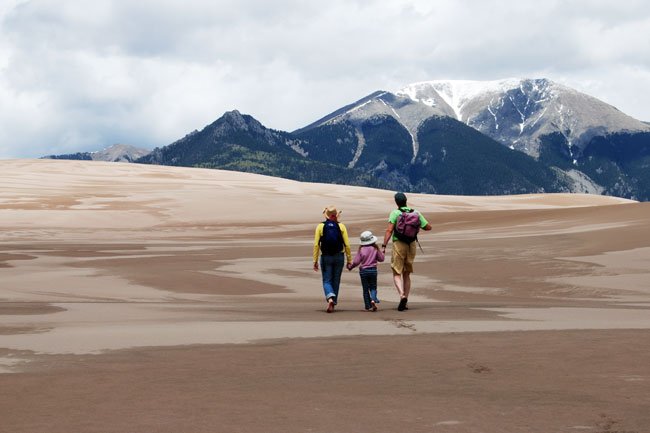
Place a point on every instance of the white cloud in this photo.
(78, 75)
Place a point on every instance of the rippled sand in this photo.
(184, 300)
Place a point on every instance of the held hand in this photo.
(349, 266)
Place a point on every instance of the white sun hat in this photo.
(367, 238)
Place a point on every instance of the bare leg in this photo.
(397, 280)
(406, 278)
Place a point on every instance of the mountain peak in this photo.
(517, 111)
(455, 94)
(232, 114)
(238, 121)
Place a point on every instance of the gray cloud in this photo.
(80, 75)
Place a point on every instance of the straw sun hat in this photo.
(331, 210)
(367, 238)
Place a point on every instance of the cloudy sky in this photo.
(79, 75)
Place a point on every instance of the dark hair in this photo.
(400, 199)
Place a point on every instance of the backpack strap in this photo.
(323, 231)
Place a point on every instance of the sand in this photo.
(146, 298)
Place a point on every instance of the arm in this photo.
(387, 236)
(346, 243)
(424, 224)
(356, 262)
(317, 235)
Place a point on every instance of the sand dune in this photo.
(138, 265)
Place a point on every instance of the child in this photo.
(366, 258)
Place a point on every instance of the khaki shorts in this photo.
(402, 257)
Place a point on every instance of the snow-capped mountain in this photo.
(591, 145)
(515, 112)
(446, 137)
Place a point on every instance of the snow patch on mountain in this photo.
(403, 109)
(517, 112)
(455, 93)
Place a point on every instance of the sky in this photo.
(78, 75)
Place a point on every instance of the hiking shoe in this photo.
(330, 305)
(402, 304)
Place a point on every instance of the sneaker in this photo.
(402, 304)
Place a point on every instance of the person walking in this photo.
(366, 259)
(331, 241)
(404, 224)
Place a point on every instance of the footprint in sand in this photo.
(400, 323)
(478, 368)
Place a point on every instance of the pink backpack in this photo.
(407, 226)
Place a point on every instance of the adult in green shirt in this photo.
(403, 254)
